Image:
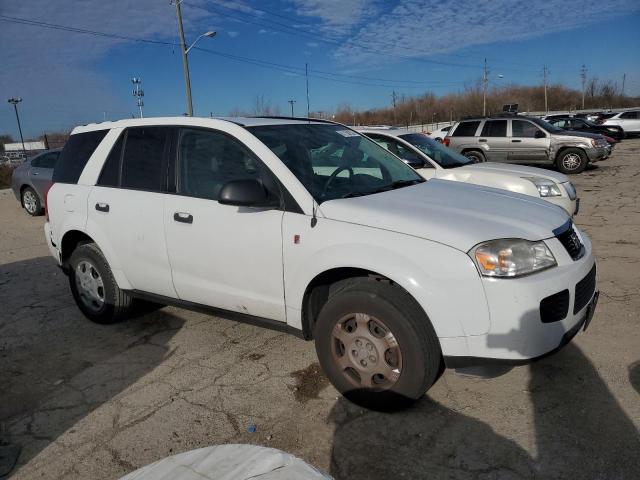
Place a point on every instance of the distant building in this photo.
(28, 146)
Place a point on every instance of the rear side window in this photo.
(495, 128)
(110, 175)
(466, 129)
(76, 154)
(629, 115)
(143, 160)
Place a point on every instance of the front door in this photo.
(222, 256)
(529, 143)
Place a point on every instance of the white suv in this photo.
(309, 227)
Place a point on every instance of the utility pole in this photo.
(624, 79)
(583, 76)
(485, 84)
(185, 60)
(394, 97)
(15, 101)
(545, 72)
(138, 93)
(291, 102)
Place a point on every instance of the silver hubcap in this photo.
(29, 201)
(90, 285)
(366, 352)
(571, 161)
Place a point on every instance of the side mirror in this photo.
(540, 134)
(246, 193)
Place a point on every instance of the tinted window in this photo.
(394, 147)
(466, 129)
(495, 128)
(629, 115)
(443, 156)
(523, 129)
(143, 158)
(560, 123)
(110, 175)
(578, 123)
(207, 160)
(332, 161)
(49, 160)
(75, 155)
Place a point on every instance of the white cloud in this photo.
(422, 27)
(338, 17)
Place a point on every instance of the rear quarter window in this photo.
(76, 154)
(466, 129)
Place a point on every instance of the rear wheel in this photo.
(572, 160)
(31, 202)
(376, 345)
(475, 155)
(93, 287)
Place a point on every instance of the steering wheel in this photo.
(333, 175)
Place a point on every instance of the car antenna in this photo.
(314, 208)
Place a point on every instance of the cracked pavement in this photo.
(91, 401)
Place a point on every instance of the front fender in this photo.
(443, 280)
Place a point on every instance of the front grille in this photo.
(555, 307)
(571, 242)
(585, 289)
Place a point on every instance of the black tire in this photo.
(31, 202)
(116, 304)
(420, 357)
(572, 160)
(476, 155)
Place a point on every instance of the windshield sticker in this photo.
(348, 133)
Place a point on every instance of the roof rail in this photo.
(303, 119)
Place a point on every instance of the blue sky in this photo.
(358, 52)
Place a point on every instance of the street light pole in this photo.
(291, 102)
(15, 101)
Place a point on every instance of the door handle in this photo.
(516, 141)
(183, 217)
(35, 173)
(483, 140)
(102, 207)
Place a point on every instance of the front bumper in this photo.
(598, 153)
(517, 333)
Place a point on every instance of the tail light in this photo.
(446, 141)
(46, 200)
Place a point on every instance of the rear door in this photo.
(494, 134)
(126, 208)
(223, 256)
(524, 147)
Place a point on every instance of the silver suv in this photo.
(526, 140)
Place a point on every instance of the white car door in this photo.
(222, 256)
(126, 209)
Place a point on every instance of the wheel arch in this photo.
(71, 240)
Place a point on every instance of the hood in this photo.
(514, 170)
(457, 214)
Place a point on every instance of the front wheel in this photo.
(376, 345)
(572, 160)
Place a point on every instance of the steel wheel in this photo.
(571, 161)
(90, 286)
(30, 201)
(366, 352)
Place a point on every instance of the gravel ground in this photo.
(95, 402)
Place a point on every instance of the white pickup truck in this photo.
(307, 226)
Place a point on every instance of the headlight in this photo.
(546, 188)
(511, 257)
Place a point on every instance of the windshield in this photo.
(333, 161)
(546, 125)
(443, 156)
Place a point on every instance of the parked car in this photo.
(262, 220)
(581, 125)
(31, 178)
(629, 121)
(434, 160)
(440, 133)
(529, 140)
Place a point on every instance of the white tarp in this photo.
(17, 147)
(229, 462)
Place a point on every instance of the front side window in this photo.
(49, 160)
(394, 147)
(524, 129)
(332, 161)
(494, 128)
(443, 156)
(143, 158)
(207, 160)
(466, 129)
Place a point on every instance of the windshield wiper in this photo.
(354, 194)
(405, 183)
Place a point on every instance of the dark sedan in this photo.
(582, 125)
(30, 180)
